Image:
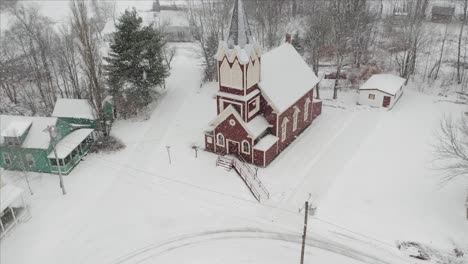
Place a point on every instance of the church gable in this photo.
(253, 73)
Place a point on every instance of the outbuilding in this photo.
(381, 90)
(442, 14)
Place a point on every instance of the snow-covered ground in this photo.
(368, 171)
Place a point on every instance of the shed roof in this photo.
(73, 108)
(70, 142)
(286, 77)
(36, 138)
(387, 83)
(9, 194)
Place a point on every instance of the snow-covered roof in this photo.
(70, 142)
(254, 128)
(73, 108)
(243, 54)
(285, 77)
(36, 138)
(9, 194)
(16, 128)
(387, 83)
(257, 126)
(266, 142)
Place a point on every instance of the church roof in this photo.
(254, 128)
(286, 77)
(239, 31)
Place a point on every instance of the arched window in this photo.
(284, 128)
(220, 140)
(295, 117)
(245, 147)
(306, 109)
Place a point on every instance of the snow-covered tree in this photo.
(136, 61)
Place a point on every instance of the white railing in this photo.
(247, 174)
(255, 177)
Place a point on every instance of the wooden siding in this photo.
(301, 124)
(234, 133)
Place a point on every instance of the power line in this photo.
(238, 198)
(245, 200)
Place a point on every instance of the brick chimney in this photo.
(288, 38)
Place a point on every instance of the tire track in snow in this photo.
(151, 252)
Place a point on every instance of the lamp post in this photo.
(196, 151)
(53, 136)
(169, 153)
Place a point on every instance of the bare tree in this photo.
(208, 20)
(460, 41)
(168, 55)
(451, 152)
(412, 37)
(89, 50)
(434, 73)
(317, 35)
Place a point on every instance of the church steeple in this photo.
(239, 31)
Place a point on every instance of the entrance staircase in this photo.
(243, 169)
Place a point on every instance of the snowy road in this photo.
(135, 207)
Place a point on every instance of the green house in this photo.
(77, 112)
(80, 113)
(25, 144)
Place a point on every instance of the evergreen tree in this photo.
(297, 44)
(136, 63)
(209, 49)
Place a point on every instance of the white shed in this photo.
(381, 90)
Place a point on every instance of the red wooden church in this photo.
(264, 100)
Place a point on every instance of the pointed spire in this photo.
(239, 31)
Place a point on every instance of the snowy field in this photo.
(368, 171)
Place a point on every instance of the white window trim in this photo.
(295, 117)
(248, 144)
(217, 140)
(306, 109)
(29, 155)
(6, 156)
(284, 129)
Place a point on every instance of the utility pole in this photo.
(53, 135)
(305, 230)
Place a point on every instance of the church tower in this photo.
(239, 62)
